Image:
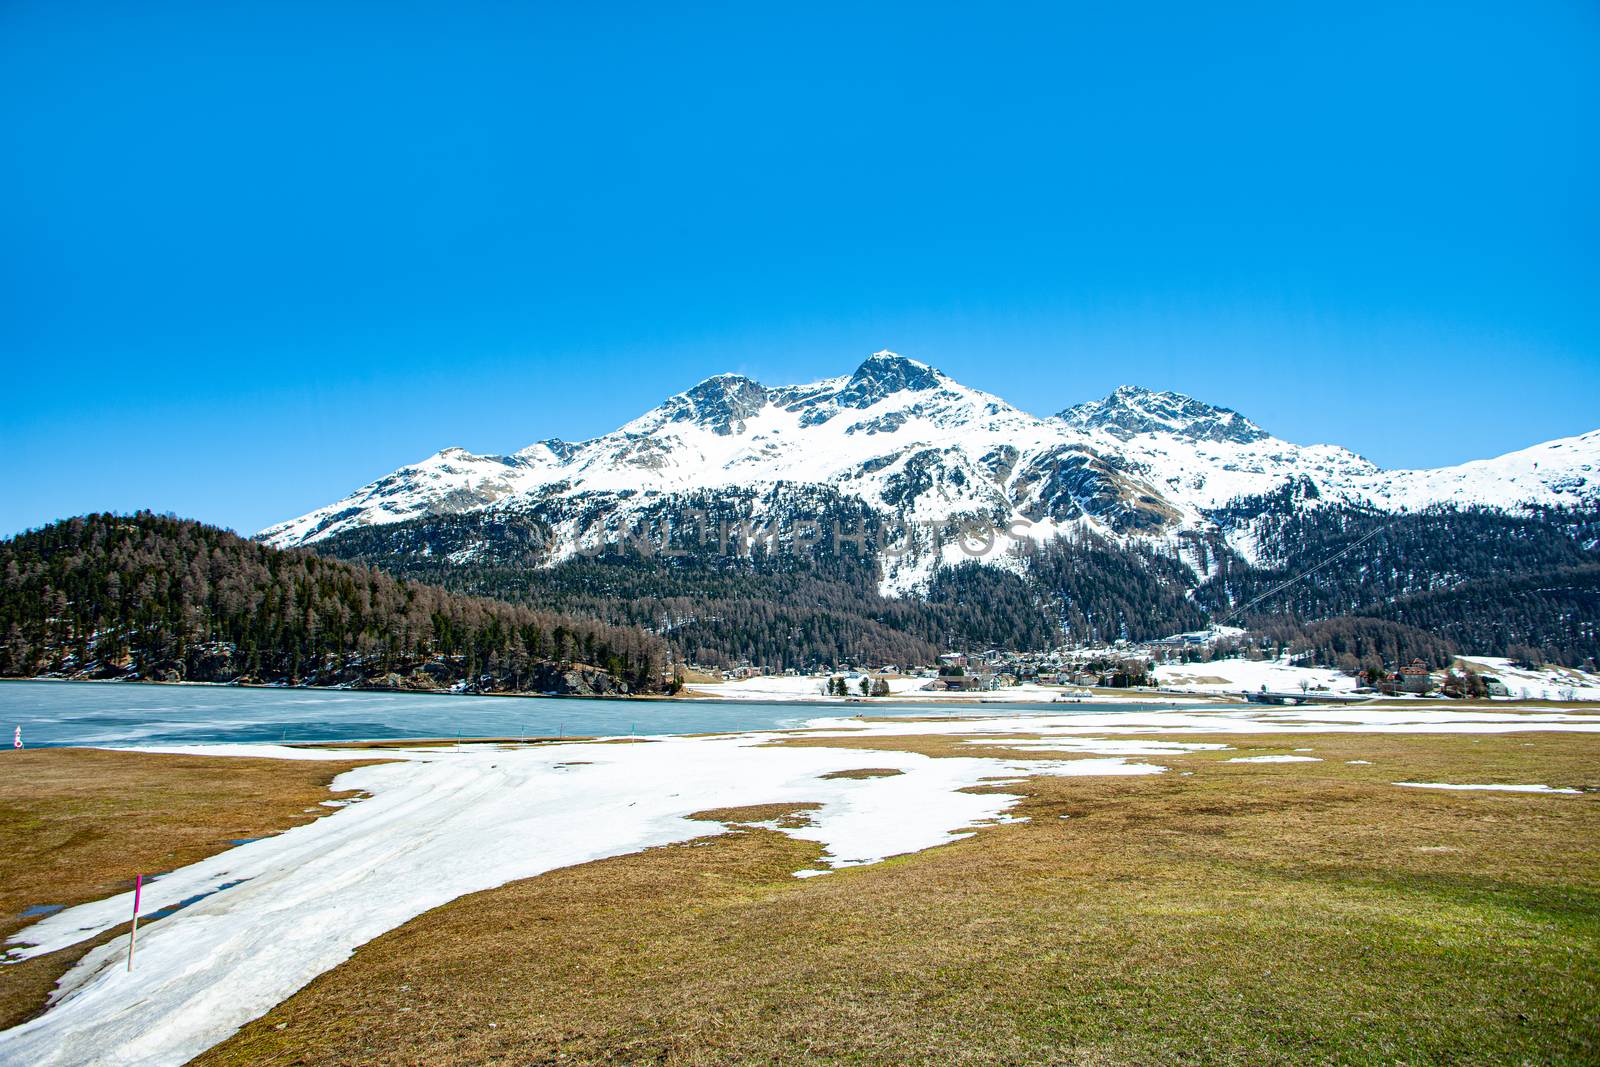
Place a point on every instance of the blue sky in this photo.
(250, 259)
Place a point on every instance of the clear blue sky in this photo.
(252, 256)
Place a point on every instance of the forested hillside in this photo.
(152, 597)
(1543, 615)
(1360, 557)
(1488, 581)
(782, 606)
(773, 610)
(1354, 643)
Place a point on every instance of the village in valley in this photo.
(1215, 663)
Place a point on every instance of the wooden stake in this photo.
(133, 934)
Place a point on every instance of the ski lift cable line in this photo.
(1275, 590)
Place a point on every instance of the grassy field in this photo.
(77, 824)
(1237, 914)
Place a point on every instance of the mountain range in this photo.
(936, 470)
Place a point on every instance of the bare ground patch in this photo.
(787, 815)
(863, 772)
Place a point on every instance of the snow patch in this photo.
(1495, 788)
(1274, 759)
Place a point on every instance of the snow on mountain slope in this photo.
(895, 433)
(1565, 471)
(914, 444)
(452, 480)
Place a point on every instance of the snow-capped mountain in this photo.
(909, 442)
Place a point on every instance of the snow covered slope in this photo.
(1565, 471)
(912, 444)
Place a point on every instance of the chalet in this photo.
(1413, 679)
(955, 683)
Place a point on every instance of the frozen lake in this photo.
(113, 713)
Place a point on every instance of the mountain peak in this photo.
(721, 403)
(1132, 409)
(885, 373)
(885, 359)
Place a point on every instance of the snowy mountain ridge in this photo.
(911, 443)
(1131, 410)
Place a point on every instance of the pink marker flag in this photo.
(133, 934)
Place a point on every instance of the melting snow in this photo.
(1274, 759)
(1496, 788)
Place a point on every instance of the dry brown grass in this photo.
(1243, 914)
(863, 772)
(77, 824)
(747, 814)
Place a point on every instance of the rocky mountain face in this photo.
(1130, 411)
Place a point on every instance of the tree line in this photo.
(154, 596)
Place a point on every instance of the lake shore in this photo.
(722, 692)
(60, 712)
